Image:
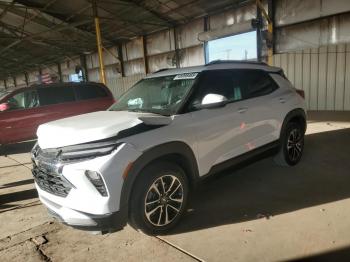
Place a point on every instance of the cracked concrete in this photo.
(261, 213)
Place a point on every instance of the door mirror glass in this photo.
(212, 101)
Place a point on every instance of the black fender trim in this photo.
(152, 154)
(298, 112)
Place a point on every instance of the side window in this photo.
(90, 92)
(255, 83)
(55, 95)
(220, 83)
(23, 100)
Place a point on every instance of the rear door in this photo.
(20, 121)
(259, 112)
(57, 102)
(93, 98)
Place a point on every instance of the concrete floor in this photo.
(259, 213)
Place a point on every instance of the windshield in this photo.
(160, 95)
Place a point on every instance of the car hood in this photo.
(93, 126)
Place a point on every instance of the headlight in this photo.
(88, 150)
(96, 179)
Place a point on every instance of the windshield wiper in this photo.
(147, 111)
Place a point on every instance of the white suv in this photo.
(137, 161)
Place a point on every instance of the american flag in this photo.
(45, 78)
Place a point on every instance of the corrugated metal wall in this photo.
(323, 73)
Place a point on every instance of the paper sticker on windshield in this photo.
(186, 76)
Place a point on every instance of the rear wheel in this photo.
(159, 198)
(292, 145)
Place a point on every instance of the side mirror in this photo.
(212, 101)
(5, 106)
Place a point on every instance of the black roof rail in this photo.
(161, 70)
(215, 62)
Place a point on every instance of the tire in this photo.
(159, 198)
(292, 145)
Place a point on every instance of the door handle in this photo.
(282, 100)
(242, 110)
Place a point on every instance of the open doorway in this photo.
(237, 47)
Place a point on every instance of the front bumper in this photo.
(88, 222)
(73, 200)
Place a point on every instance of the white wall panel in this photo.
(133, 49)
(187, 35)
(290, 67)
(165, 60)
(192, 56)
(331, 69)
(298, 67)
(323, 73)
(347, 79)
(306, 75)
(160, 42)
(340, 78)
(322, 79)
(296, 11)
(313, 79)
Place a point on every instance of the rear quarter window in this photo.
(90, 92)
(55, 95)
(255, 83)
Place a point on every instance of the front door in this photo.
(220, 130)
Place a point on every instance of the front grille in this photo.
(50, 181)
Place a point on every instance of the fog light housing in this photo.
(96, 179)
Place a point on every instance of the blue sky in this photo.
(233, 47)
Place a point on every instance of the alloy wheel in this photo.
(164, 200)
(295, 144)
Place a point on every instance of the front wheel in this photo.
(292, 145)
(159, 198)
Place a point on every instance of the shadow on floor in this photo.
(332, 116)
(342, 254)
(17, 183)
(17, 148)
(263, 188)
(17, 196)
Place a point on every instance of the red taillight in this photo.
(4, 107)
(301, 93)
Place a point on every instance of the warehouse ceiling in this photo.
(41, 32)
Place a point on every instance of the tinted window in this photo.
(55, 95)
(254, 83)
(218, 82)
(3, 93)
(23, 100)
(90, 92)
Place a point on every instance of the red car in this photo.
(23, 110)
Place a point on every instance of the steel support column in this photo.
(269, 15)
(84, 66)
(145, 60)
(258, 32)
(271, 28)
(99, 42)
(177, 50)
(121, 60)
(26, 77)
(59, 69)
